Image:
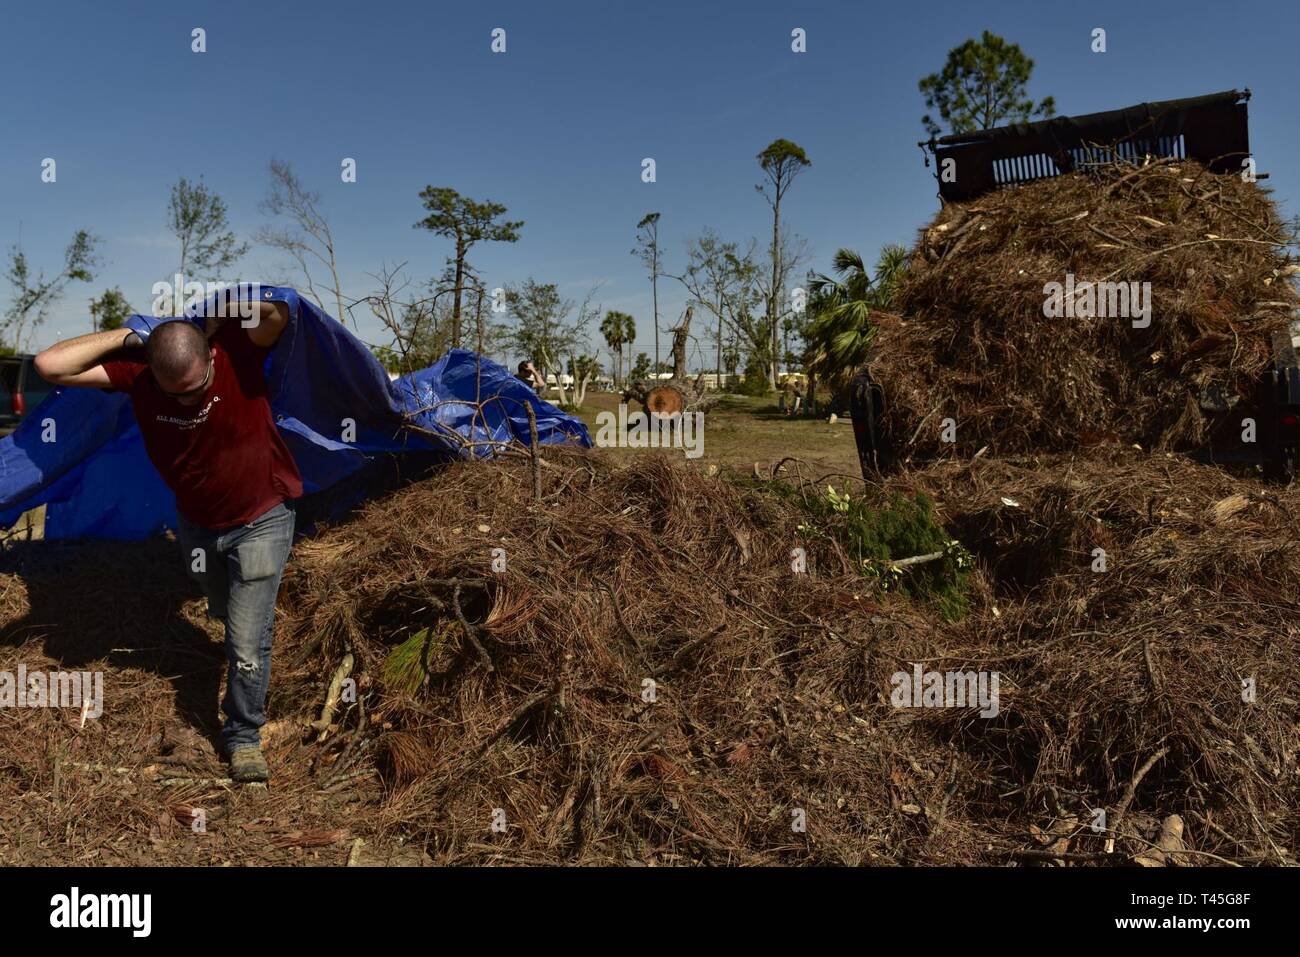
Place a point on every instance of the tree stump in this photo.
(669, 397)
(678, 394)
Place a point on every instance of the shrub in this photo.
(875, 538)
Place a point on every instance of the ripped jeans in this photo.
(239, 570)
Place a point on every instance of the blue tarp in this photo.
(81, 455)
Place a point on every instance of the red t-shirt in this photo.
(223, 457)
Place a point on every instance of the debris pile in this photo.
(1130, 305)
(1142, 608)
(601, 663)
(627, 670)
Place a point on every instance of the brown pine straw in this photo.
(970, 341)
(770, 688)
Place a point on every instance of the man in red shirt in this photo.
(200, 398)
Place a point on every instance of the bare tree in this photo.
(583, 368)
(409, 319)
(647, 250)
(722, 279)
(791, 254)
(308, 238)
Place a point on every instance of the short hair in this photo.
(174, 347)
(523, 366)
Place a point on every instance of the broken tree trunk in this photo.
(678, 394)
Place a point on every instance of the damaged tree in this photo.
(678, 394)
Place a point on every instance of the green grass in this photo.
(740, 431)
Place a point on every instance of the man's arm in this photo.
(264, 325)
(77, 361)
(538, 383)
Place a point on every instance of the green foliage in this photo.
(403, 669)
(544, 328)
(197, 217)
(876, 538)
(389, 358)
(619, 330)
(782, 160)
(647, 244)
(33, 294)
(465, 222)
(730, 358)
(424, 654)
(982, 85)
(839, 332)
(110, 310)
(640, 368)
(755, 381)
(581, 367)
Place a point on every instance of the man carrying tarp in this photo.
(200, 398)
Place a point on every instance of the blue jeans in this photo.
(239, 570)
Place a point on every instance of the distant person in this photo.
(790, 398)
(529, 374)
(201, 401)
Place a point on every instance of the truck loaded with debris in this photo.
(1119, 277)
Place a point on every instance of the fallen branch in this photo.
(916, 560)
(1127, 799)
(532, 702)
(326, 719)
(471, 633)
(532, 442)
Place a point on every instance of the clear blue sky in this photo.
(555, 128)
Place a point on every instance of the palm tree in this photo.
(619, 329)
(840, 334)
(629, 337)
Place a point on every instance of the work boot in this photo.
(247, 764)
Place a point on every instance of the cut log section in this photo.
(678, 394)
(670, 397)
(665, 400)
